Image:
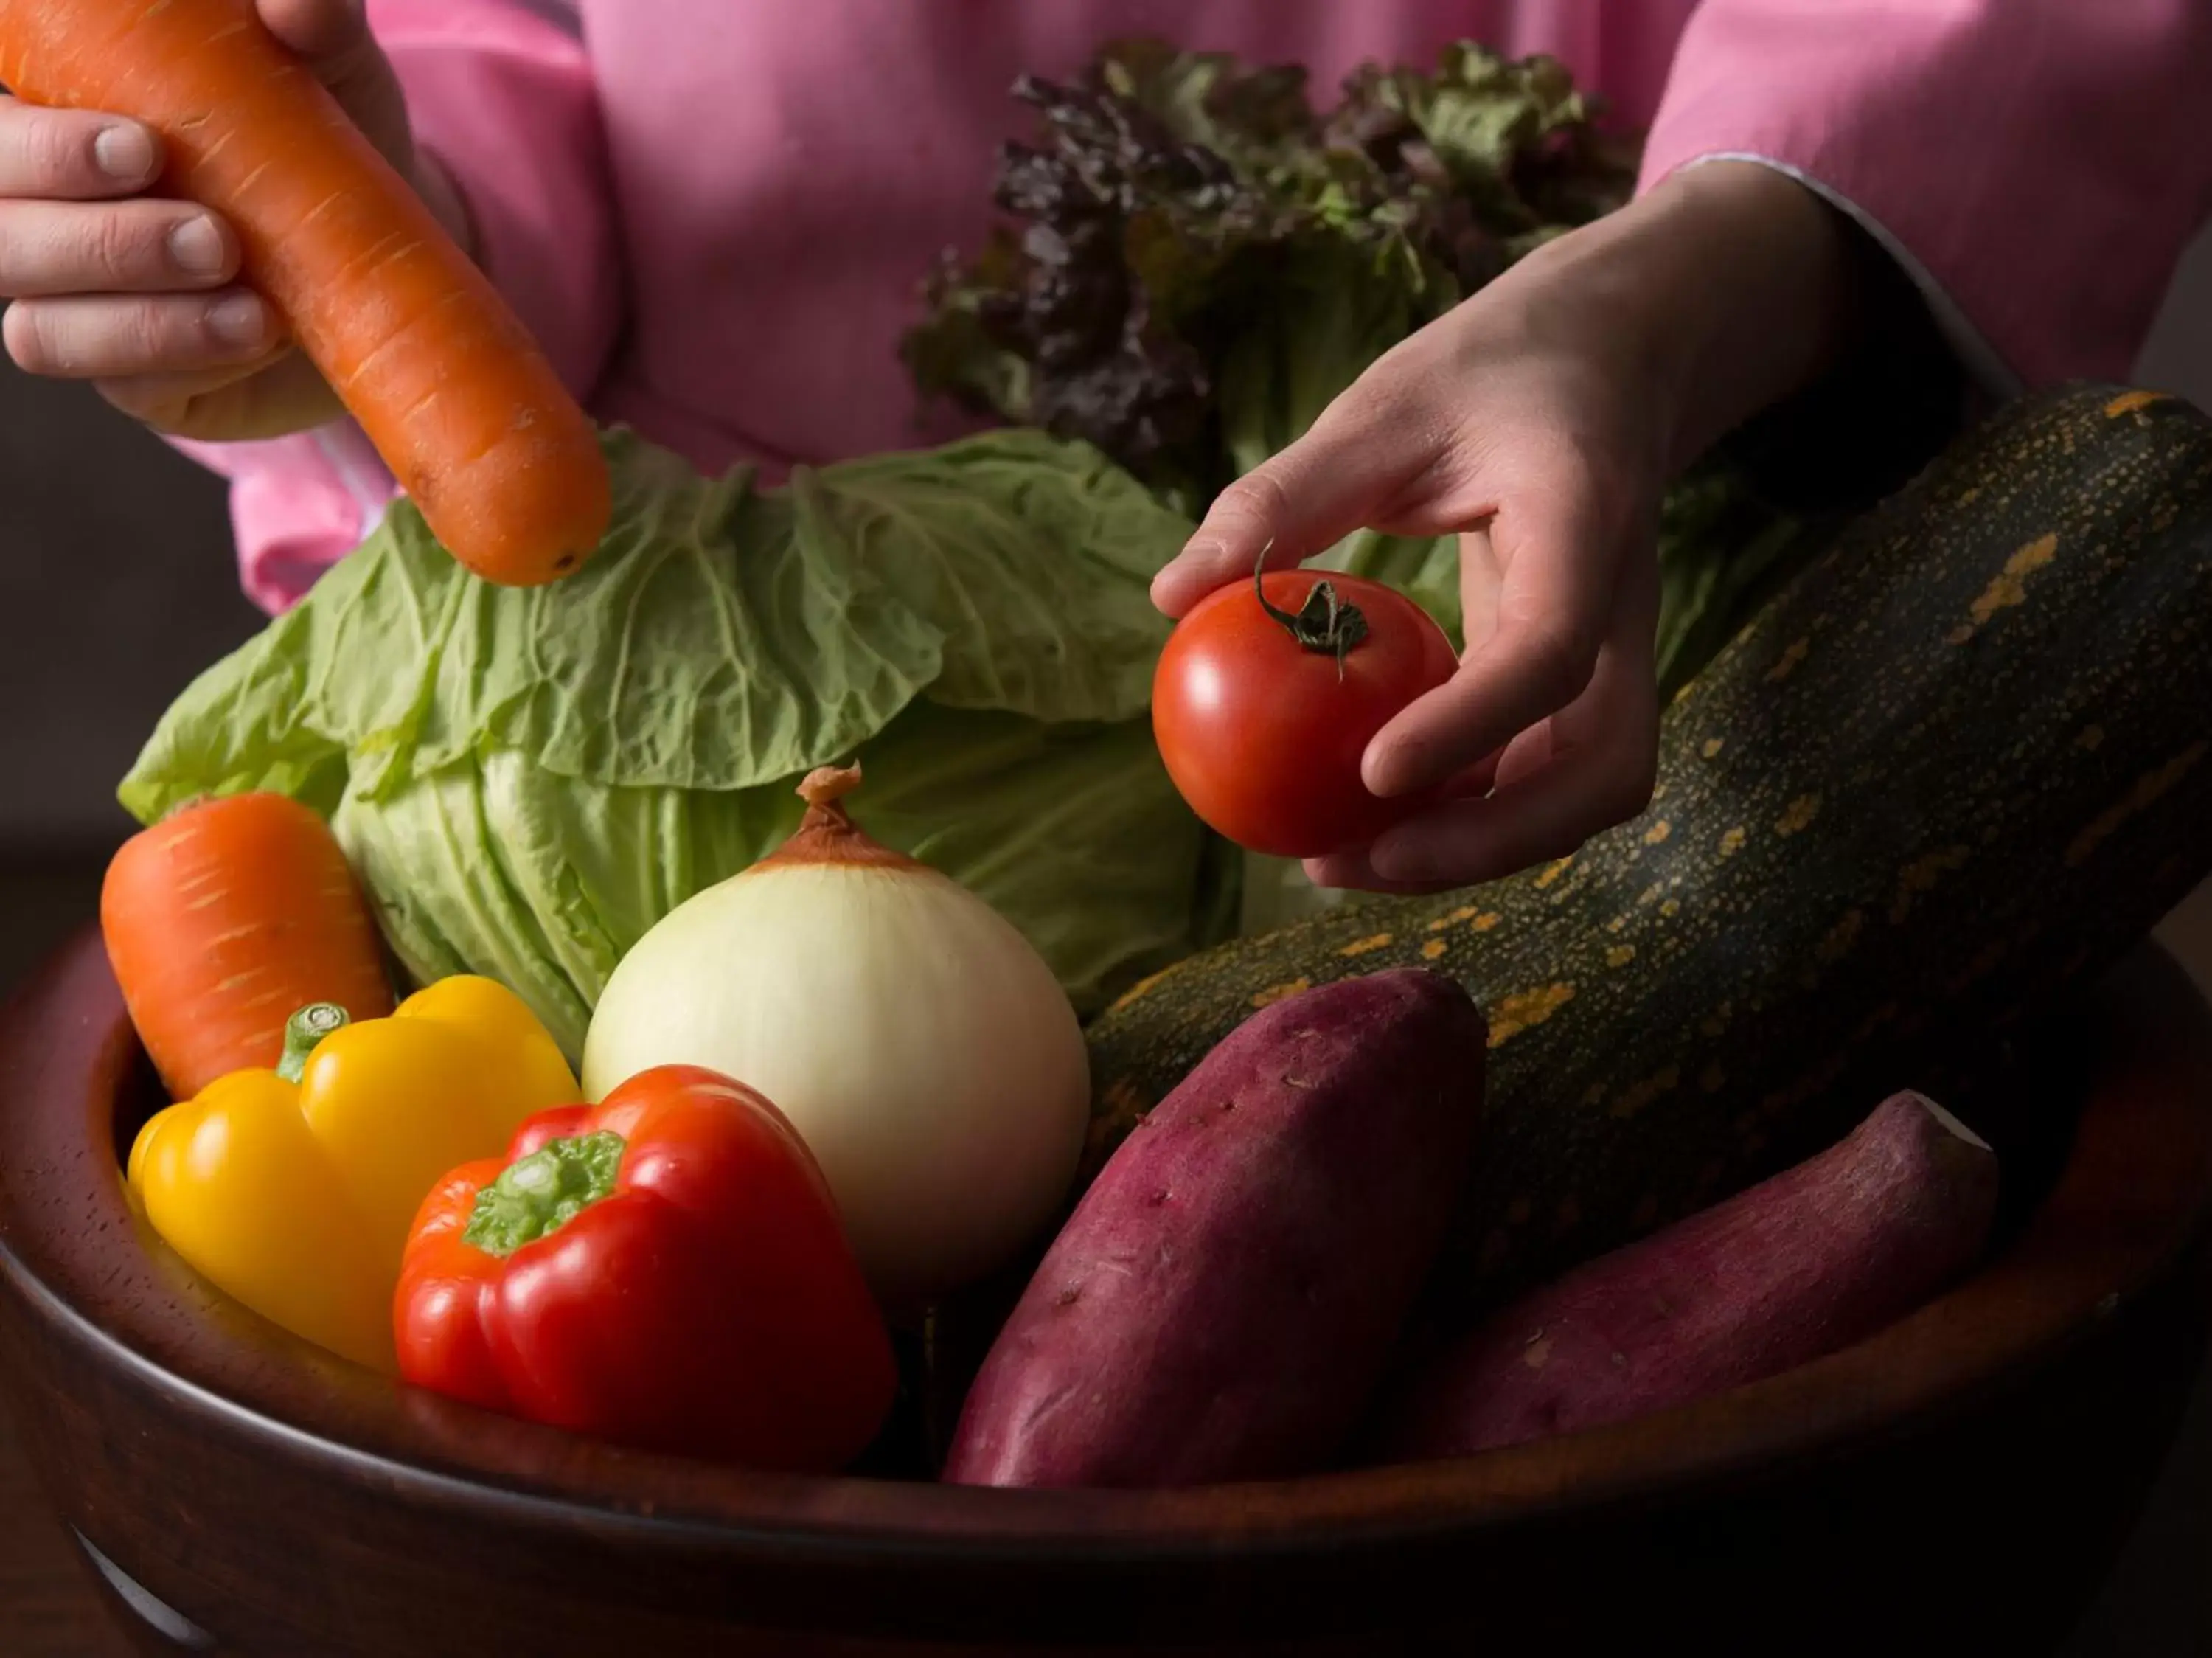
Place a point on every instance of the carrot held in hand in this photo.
(223, 921)
(411, 336)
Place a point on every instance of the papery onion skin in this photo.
(911, 1035)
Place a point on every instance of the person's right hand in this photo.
(140, 295)
(1541, 420)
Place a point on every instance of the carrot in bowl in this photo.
(440, 372)
(224, 920)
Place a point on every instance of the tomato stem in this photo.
(1325, 623)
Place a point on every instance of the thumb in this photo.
(332, 37)
(1341, 476)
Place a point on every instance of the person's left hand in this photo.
(1540, 421)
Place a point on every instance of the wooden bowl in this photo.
(1959, 1484)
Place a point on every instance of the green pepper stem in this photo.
(1325, 623)
(540, 1194)
(304, 1030)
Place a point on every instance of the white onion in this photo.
(917, 1041)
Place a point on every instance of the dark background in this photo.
(116, 585)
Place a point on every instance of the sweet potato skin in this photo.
(1820, 1256)
(1223, 1302)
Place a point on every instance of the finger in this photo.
(1549, 812)
(49, 248)
(1204, 569)
(320, 31)
(1547, 817)
(1353, 869)
(1476, 781)
(1527, 754)
(1284, 509)
(1359, 461)
(334, 38)
(1353, 872)
(104, 339)
(167, 401)
(276, 395)
(66, 154)
(1552, 611)
(1481, 578)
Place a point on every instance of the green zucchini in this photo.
(1962, 761)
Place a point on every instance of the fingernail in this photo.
(197, 246)
(1389, 863)
(125, 154)
(240, 321)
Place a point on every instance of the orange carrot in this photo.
(223, 921)
(437, 369)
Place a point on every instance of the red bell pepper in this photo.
(665, 1269)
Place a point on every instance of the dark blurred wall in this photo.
(2179, 358)
(116, 586)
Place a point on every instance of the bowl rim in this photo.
(2098, 1243)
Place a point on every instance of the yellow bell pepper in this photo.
(293, 1190)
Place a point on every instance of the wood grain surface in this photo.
(49, 1607)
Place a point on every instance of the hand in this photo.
(1541, 421)
(140, 295)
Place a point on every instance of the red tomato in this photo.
(1262, 734)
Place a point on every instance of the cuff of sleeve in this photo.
(2025, 158)
(1981, 360)
(1921, 374)
(298, 505)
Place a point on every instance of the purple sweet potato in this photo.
(1223, 1301)
(1810, 1262)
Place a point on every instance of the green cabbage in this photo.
(527, 780)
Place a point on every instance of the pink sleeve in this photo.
(505, 101)
(2036, 166)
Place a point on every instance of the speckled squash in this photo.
(1958, 764)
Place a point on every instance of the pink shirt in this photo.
(715, 214)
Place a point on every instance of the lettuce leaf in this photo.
(528, 780)
(1195, 259)
(1195, 262)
